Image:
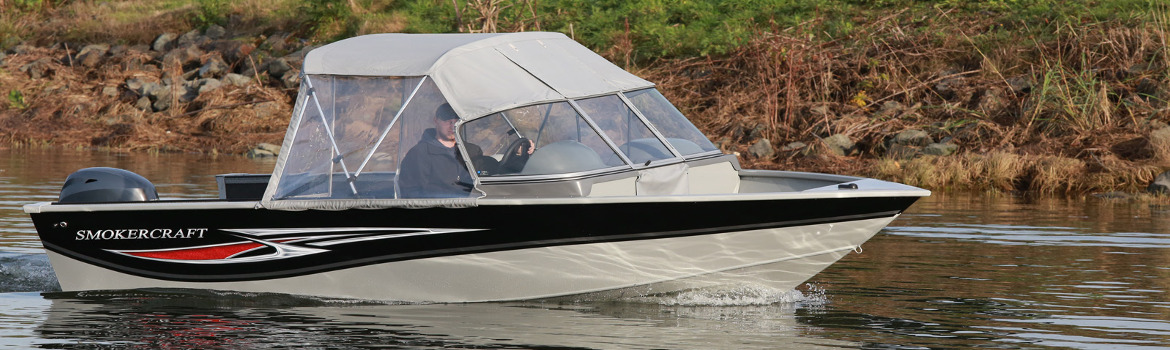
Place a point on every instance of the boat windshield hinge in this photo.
(848, 186)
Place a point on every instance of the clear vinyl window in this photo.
(675, 127)
(625, 129)
(544, 139)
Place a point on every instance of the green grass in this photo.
(642, 30)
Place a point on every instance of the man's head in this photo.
(445, 119)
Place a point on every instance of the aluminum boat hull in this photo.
(495, 251)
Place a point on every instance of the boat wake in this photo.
(733, 295)
(729, 295)
(26, 273)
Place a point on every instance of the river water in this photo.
(955, 271)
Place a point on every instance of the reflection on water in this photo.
(185, 319)
(970, 270)
(953, 272)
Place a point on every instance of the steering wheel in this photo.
(515, 156)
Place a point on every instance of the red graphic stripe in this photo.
(205, 253)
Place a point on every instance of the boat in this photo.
(470, 168)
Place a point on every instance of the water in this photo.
(955, 271)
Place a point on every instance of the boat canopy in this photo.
(376, 117)
(479, 73)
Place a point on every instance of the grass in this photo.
(1045, 96)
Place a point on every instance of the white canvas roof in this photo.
(479, 73)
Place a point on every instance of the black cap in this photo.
(444, 112)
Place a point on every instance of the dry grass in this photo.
(1079, 109)
(1009, 172)
(1078, 112)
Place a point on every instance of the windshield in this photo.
(543, 139)
(625, 129)
(680, 132)
(563, 137)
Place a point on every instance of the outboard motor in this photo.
(105, 185)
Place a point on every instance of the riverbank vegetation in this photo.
(1039, 96)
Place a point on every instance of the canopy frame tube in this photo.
(339, 159)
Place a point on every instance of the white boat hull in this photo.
(779, 258)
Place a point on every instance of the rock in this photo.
(839, 144)
(135, 84)
(92, 55)
(258, 153)
(162, 104)
(276, 68)
(21, 49)
(1020, 84)
(947, 87)
(277, 44)
(191, 38)
(171, 77)
(290, 79)
(135, 64)
(762, 149)
(264, 150)
(143, 103)
(793, 146)
(164, 42)
(757, 132)
(900, 151)
(214, 68)
(1160, 185)
(215, 32)
(142, 48)
(890, 109)
(238, 52)
(1147, 87)
(940, 149)
(118, 50)
(159, 95)
(151, 89)
(990, 101)
(236, 79)
(187, 58)
(269, 147)
(207, 85)
(912, 137)
(110, 91)
(38, 69)
(192, 89)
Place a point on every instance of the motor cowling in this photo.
(106, 185)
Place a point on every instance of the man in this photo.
(432, 168)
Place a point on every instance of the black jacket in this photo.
(431, 170)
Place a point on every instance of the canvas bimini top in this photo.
(371, 109)
(479, 73)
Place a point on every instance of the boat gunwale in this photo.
(214, 204)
